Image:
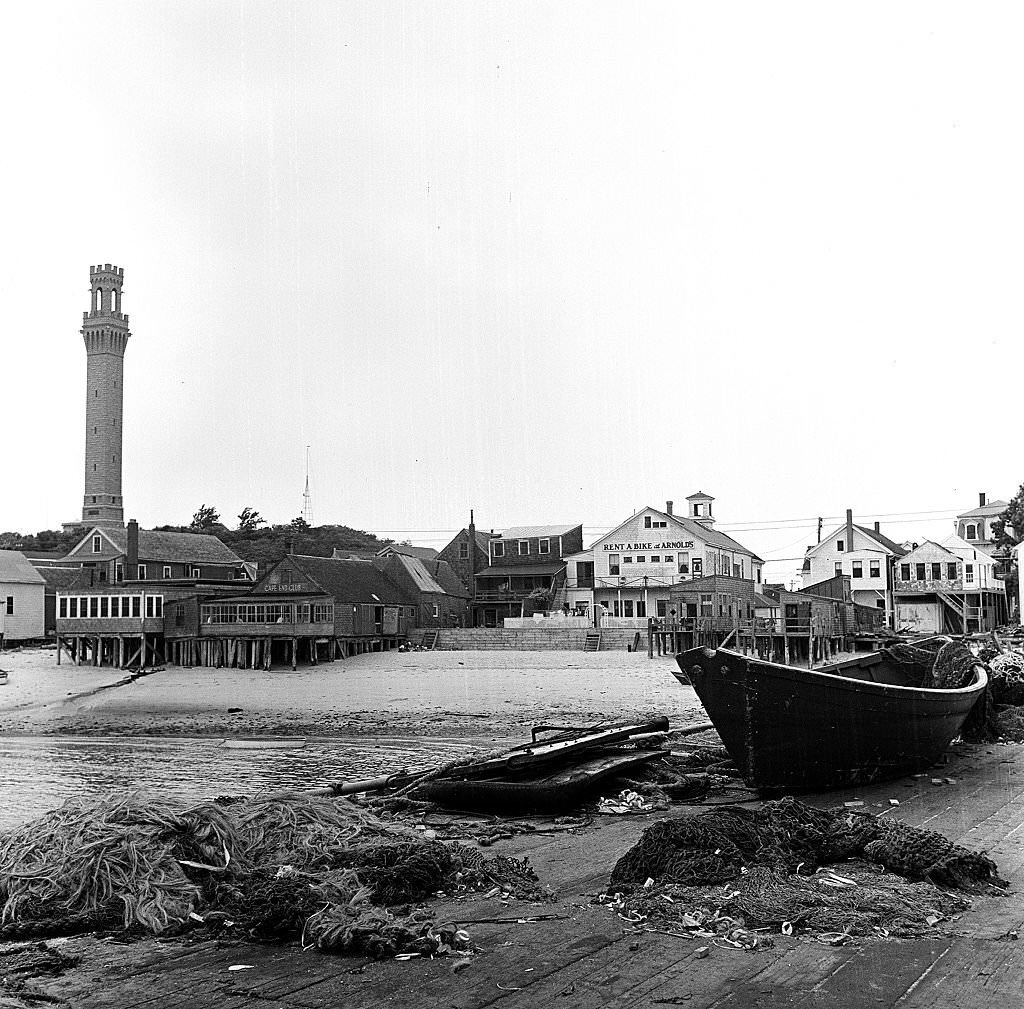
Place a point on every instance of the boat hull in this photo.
(800, 729)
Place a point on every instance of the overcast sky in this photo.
(549, 261)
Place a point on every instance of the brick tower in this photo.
(105, 332)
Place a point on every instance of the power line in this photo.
(739, 525)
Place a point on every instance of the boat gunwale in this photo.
(832, 680)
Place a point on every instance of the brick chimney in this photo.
(668, 507)
(878, 527)
(849, 529)
(132, 558)
(981, 499)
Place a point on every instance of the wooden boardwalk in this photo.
(584, 958)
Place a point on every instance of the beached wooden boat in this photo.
(545, 789)
(3, 677)
(848, 723)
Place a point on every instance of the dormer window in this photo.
(544, 546)
(524, 548)
(497, 549)
(972, 532)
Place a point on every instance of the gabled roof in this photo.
(535, 532)
(890, 546)
(16, 569)
(442, 573)
(707, 534)
(931, 543)
(352, 581)
(960, 546)
(168, 547)
(897, 548)
(421, 577)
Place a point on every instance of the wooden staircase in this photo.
(430, 639)
(593, 642)
(954, 607)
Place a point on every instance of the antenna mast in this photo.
(307, 498)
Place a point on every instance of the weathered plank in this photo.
(977, 974)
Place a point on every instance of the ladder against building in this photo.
(593, 642)
(430, 640)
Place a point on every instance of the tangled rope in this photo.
(268, 866)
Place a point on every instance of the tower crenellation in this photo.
(105, 334)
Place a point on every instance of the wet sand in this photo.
(473, 694)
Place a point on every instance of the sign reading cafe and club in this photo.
(667, 545)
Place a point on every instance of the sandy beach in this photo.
(473, 694)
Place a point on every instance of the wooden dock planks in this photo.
(592, 958)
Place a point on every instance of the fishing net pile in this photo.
(1003, 704)
(937, 662)
(271, 869)
(769, 868)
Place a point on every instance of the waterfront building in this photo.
(948, 587)
(114, 555)
(22, 599)
(865, 554)
(524, 573)
(467, 553)
(439, 599)
(627, 575)
(304, 610)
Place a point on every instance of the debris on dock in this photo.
(774, 868)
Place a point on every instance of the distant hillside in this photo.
(267, 545)
(270, 544)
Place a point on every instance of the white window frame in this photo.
(523, 548)
(167, 571)
(197, 572)
(498, 548)
(142, 572)
(97, 543)
(544, 545)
